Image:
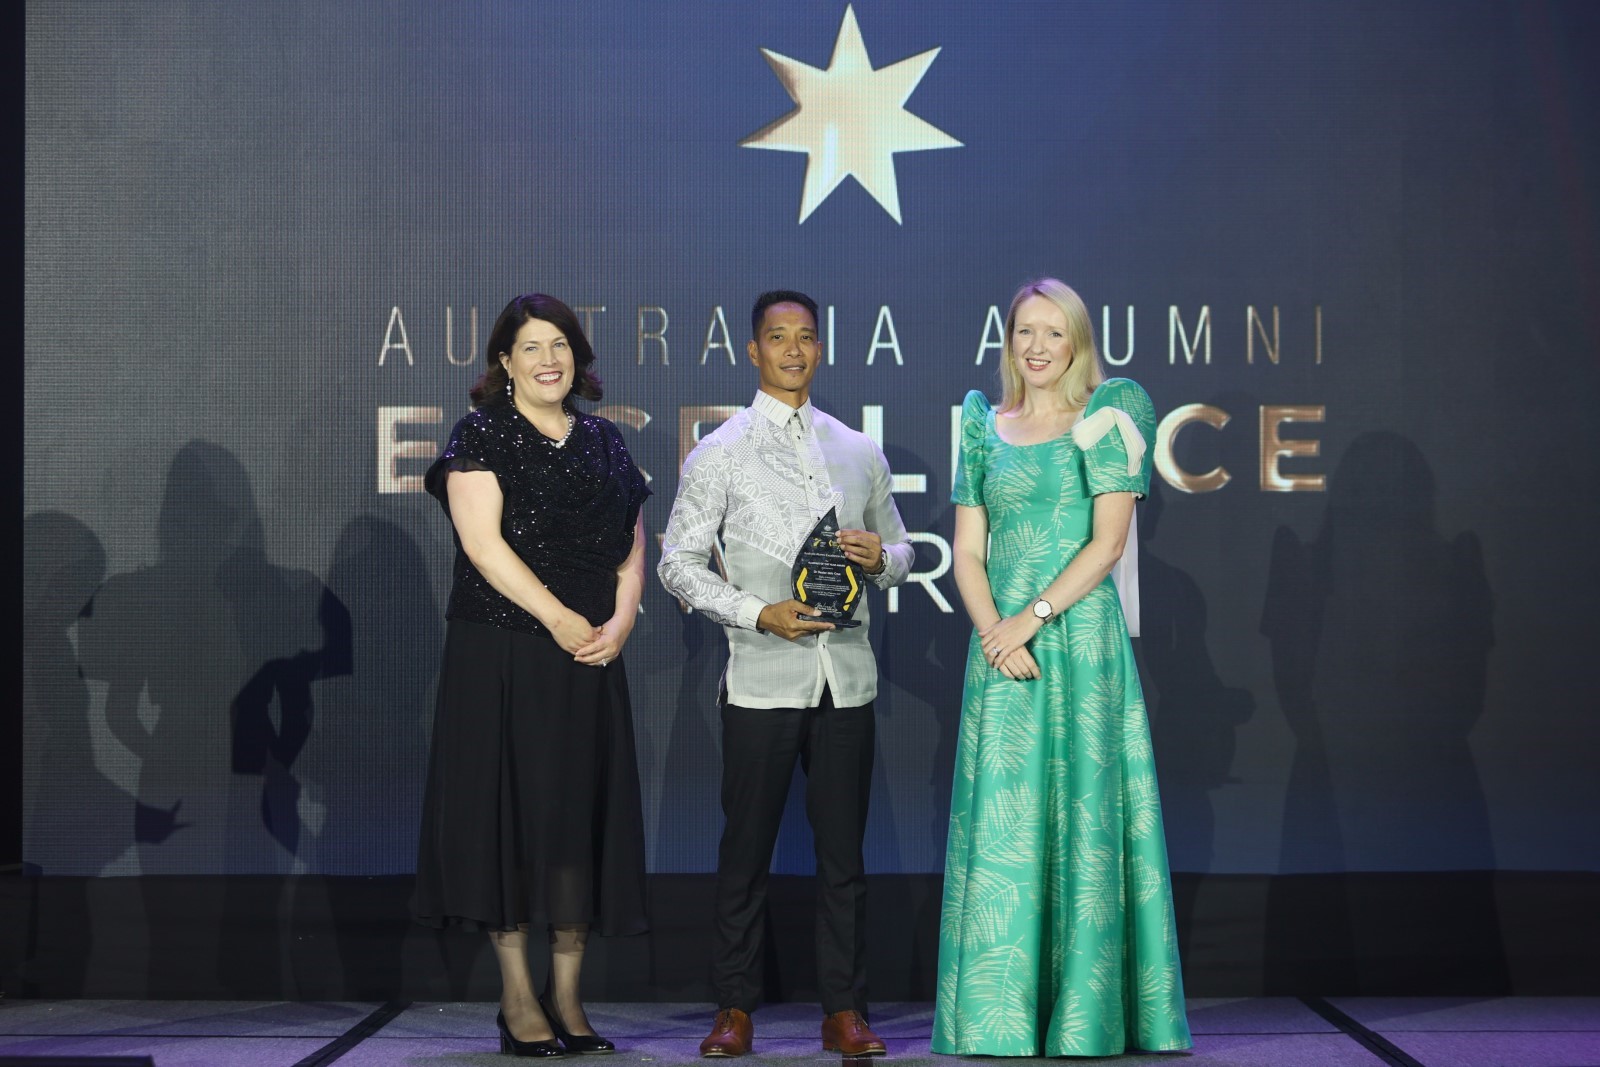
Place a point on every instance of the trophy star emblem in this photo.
(850, 120)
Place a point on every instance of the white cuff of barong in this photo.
(1086, 433)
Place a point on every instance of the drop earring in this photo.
(509, 394)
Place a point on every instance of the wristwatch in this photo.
(1042, 609)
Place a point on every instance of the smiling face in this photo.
(540, 365)
(1039, 343)
(786, 352)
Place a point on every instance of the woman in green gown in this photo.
(1057, 935)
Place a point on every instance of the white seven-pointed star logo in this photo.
(850, 119)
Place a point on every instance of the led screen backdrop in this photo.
(1349, 249)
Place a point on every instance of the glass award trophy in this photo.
(823, 576)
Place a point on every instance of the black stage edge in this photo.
(1372, 1041)
(322, 938)
(353, 1036)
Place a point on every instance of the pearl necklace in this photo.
(561, 443)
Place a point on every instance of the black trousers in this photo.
(759, 749)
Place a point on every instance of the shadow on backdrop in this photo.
(1380, 632)
(208, 655)
(1194, 716)
(688, 814)
(363, 770)
(68, 799)
(922, 663)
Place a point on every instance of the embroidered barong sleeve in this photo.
(882, 517)
(692, 529)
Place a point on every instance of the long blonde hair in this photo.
(1083, 374)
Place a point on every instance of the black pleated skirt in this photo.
(532, 810)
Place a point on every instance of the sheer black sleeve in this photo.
(473, 447)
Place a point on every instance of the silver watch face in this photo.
(1042, 609)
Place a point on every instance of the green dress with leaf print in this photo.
(1056, 936)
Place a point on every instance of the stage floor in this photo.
(1258, 1032)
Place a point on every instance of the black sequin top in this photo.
(569, 512)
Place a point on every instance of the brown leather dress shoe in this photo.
(730, 1035)
(846, 1032)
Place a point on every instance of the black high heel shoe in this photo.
(582, 1044)
(511, 1046)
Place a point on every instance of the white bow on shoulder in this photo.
(1086, 433)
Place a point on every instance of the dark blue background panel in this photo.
(1349, 248)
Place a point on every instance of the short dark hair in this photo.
(780, 296)
(492, 386)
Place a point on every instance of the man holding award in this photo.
(803, 508)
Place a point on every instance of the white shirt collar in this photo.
(779, 413)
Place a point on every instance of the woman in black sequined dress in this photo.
(532, 813)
